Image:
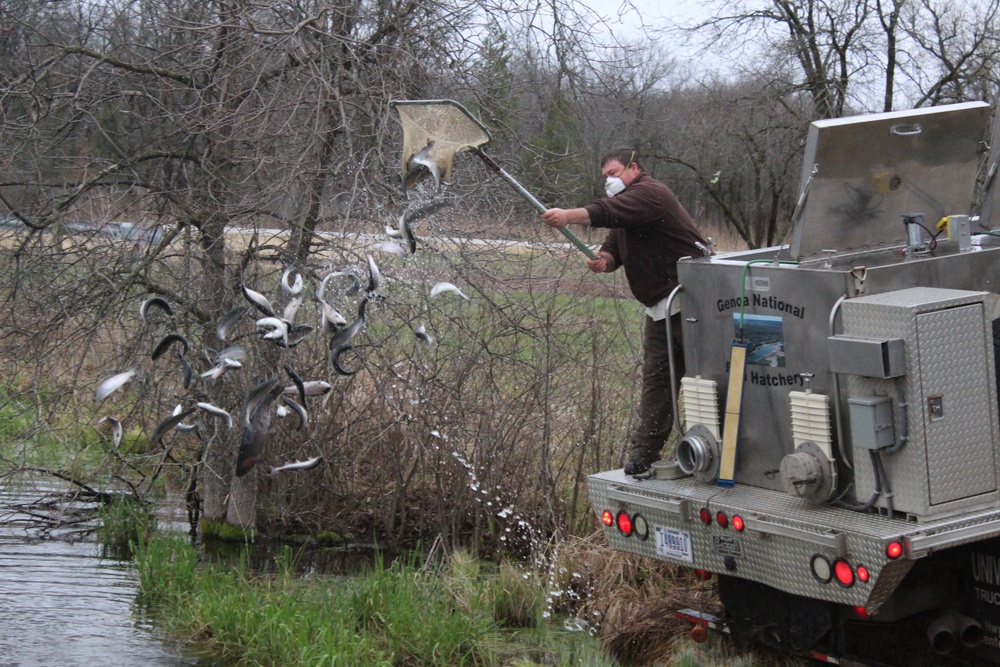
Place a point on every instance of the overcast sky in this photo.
(627, 16)
(625, 20)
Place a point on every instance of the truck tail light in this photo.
(738, 524)
(894, 550)
(843, 573)
(607, 518)
(821, 568)
(722, 519)
(863, 574)
(640, 526)
(703, 575)
(860, 612)
(624, 523)
(705, 516)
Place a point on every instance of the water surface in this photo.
(61, 604)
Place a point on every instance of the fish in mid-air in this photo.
(441, 288)
(419, 166)
(308, 464)
(108, 386)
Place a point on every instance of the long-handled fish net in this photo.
(434, 131)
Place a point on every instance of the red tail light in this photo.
(843, 573)
(722, 519)
(863, 574)
(860, 612)
(738, 523)
(624, 523)
(894, 550)
(704, 575)
(706, 516)
(607, 518)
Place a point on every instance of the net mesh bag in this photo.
(443, 125)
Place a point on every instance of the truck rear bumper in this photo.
(822, 552)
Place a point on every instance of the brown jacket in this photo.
(650, 231)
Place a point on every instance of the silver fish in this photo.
(294, 377)
(166, 342)
(299, 410)
(421, 333)
(216, 411)
(255, 395)
(220, 369)
(259, 301)
(291, 308)
(440, 288)
(308, 464)
(295, 286)
(179, 408)
(341, 341)
(335, 360)
(256, 431)
(330, 320)
(419, 166)
(169, 423)
(390, 247)
(374, 275)
(116, 430)
(311, 388)
(108, 386)
(188, 371)
(233, 353)
(404, 225)
(279, 329)
(352, 290)
(157, 301)
(230, 320)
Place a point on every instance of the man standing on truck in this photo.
(649, 231)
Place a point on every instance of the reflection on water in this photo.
(61, 605)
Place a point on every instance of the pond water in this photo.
(61, 603)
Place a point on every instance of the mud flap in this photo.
(761, 614)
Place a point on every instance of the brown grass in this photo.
(630, 599)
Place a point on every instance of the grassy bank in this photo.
(460, 611)
(395, 614)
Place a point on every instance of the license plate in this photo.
(673, 543)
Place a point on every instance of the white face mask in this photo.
(613, 185)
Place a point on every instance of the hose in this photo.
(862, 507)
(886, 489)
(904, 422)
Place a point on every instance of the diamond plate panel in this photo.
(946, 466)
(953, 362)
(781, 557)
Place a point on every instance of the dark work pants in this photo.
(656, 410)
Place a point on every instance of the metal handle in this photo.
(530, 198)
(921, 544)
(679, 506)
(905, 129)
(829, 539)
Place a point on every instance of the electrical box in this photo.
(871, 422)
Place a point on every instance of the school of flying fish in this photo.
(271, 397)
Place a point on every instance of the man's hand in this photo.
(560, 217)
(604, 263)
(555, 217)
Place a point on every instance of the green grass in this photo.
(467, 612)
(124, 521)
(395, 615)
